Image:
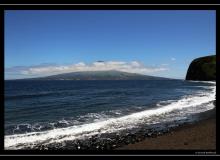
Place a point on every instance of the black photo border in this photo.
(4, 7)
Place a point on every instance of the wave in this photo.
(65, 122)
(175, 110)
(209, 82)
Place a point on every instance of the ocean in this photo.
(75, 115)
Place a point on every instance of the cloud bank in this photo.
(44, 70)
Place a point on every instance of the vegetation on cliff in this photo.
(202, 69)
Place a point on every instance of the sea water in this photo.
(55, 113)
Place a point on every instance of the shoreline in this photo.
(200, 135)
(192, 135)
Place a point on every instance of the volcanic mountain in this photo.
(98, 75)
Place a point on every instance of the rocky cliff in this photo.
(202, 69)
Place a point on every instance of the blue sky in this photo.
(160, 43)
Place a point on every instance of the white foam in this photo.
(190, 103)
(210, 82)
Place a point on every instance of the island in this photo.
(98, 75)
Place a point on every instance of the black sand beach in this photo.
(197, 136)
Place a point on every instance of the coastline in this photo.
(197, 136)
(192, 135)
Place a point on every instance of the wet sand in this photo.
(198, 136)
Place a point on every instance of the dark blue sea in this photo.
(98, 114)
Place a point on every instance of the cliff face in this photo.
(202, 69)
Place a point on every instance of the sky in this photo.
(151, 42)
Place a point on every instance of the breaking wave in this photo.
(164, 111)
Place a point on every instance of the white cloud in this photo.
(132, 67)
(80, 64)
(135, 64)
(173, 59)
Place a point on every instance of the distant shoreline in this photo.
(93, 80)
